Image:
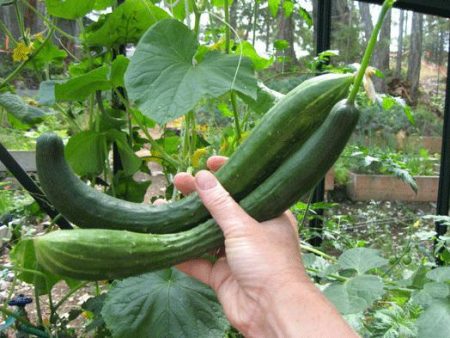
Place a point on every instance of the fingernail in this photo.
(205, 180)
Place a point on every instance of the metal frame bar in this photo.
(443, 200)
(431, 7)
(323, 43)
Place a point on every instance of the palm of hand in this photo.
(260, 258)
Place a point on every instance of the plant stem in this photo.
(67, 295)
(197, 15)
(317, 252)
(237, 126)
(331, 275)
(19, 68)
(38, 307)
(369, 50)
(255, 12)
(20, 22)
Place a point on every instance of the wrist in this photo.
(279, 309)
(300, 310)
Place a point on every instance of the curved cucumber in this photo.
(97, 254)
(281, 131)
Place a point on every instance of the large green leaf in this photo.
(49, 54)
(246, 49)
(46, 93)
(361, 260)
(266, 99)
(355, 295)
(80, 87)
(125, 24)
(23, 112)
(85, 152)
(435, 321)
(166, 80)
(118, 69)
(24, 258)
(430, 292)
(163, 304)
(102, 4)
(69, 9)
(178, 8)
(441, 274)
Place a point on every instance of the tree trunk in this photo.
(268, 22)
(314, 17)
(340, 10)
(398, 68)
(233, 17)
(8, 16)
(366, 19)
(382, 53)
(286, 28)
(415, 56)
(250, 22)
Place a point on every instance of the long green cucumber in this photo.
(282, 130)
(97, 254)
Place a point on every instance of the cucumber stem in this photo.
(387, 5)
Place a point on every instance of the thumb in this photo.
(224, 209)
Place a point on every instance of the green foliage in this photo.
(395, 321)
(50, 54)
(171, 75)
(246, 49)
(274, 6)
(361, 260)
(355, 294)
(178, 80)
(126, 24)
(24, 258)
(166, 303)
(80, 87)
(85, 152)
(20, 113)
(69, 9)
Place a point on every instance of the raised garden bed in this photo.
(25, 158)
(362, 187)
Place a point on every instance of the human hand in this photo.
(261, 274)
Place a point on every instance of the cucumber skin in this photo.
(281, 131)
(98, 254)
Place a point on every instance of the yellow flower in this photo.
(39, 37)
(31, 101)
(197, 156)
(218, 45)
(202, 128)
(177, 123)
(21, 52)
